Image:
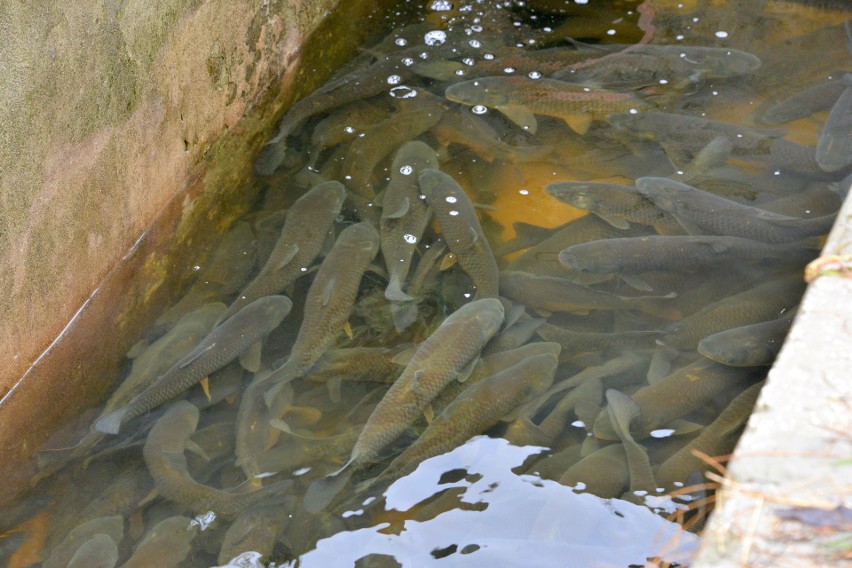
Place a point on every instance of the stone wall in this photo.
(123, 119)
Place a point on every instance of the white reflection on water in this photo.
(527, 522)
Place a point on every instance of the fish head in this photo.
(665, 193)
(332, 194)
(729, 63)
(581, 199)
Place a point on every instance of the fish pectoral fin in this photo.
(327, 291)
(520, 115)
(465, 373)
(622, 411)
(579, 123)
(689, 226)
(636, 282)
(250, 358)
(347, 329)
(681, 427)
(153, 494)
(615, 221)
(448, 261)
(197, 450)
(205, 387)
(287, 255)
(429, 413)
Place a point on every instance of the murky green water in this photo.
(340, 387)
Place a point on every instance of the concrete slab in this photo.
(787, 501)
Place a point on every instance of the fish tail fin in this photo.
(111, 423)
(394, 291)
(622, 411)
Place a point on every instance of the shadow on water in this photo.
(641, 184)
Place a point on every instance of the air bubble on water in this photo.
(534, 75)
(524, 192)
(662, 433)
(509, 70)
(451, 199)
(403, 92)
(348, 514)
(721, 34)
(469, 61)
(394, 80)
(406, 170)
(196, 267)
(488, 56)
(479, 109)
(633, 111)
(407, 61)
(423, 55)
(454, 213)
(610, 32)
(348, 130)
(368, 500)
(664, 82)
(547, 29)
(776, 173)
(301, 471)
(714, 93)
(578, 424)
(401, 42)
(435, 37)
(475, 43)
(477, 29)
(441, 6)
(410, 239)
(303, 269)
(467, 294)
(459, 72)
(679, 37)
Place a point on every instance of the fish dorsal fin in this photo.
(579, 123)
(250, 358)
(614, 220)
(681, 427)
(195, 354)
(465, 373)
(622, 411)
(403, 358)
(288, 253)
(327, 291)
(282, 426)
(520, 115)
(205, 386)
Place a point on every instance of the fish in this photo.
(478, 408)
(818, 97)
(575, 343)
(373, 364)
(700, 212)
(148, 365)
(254, 435)
(164, 457)
(618, 205)
(561, 295)
(677, 394)
(557, 419)
(254, 530)
(521, 98)
(766, 301)
(834, 148)
(754, 345)
(417, 115)
(165, 545)
(514, 336)
(461, 230)
(717, 439)
(225, 271)
(305, 230)
(60, 556)
(224, 344)
(444, 356)
(404, 215)
(330, 300)
(650, 63)
(603, 473)
(542, 258)
(344, 125)
(686, 253)
(622, 411)
(100, 551)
